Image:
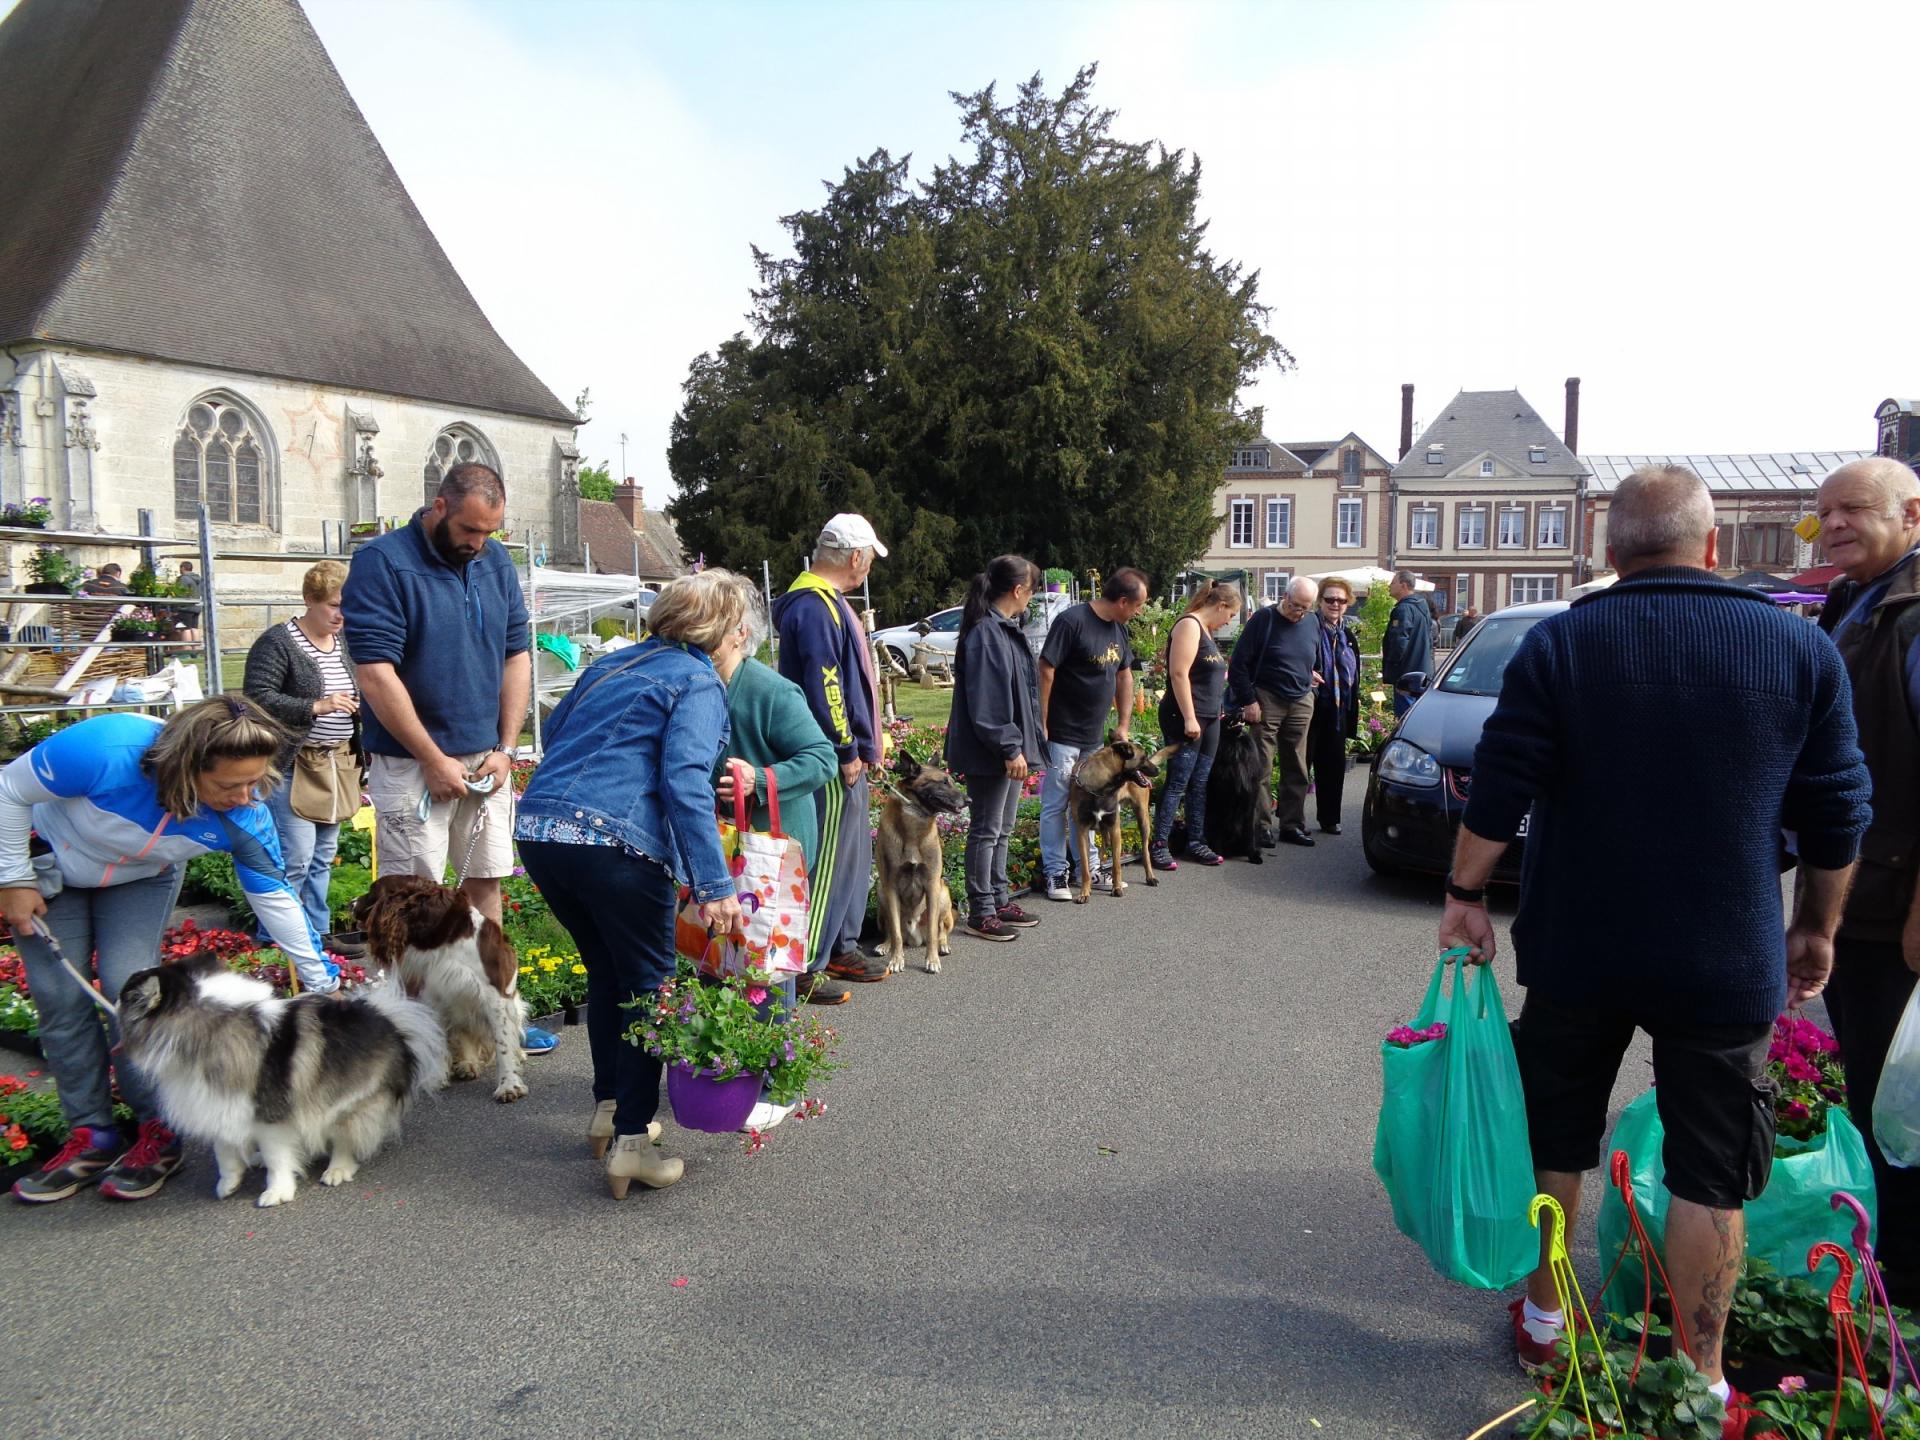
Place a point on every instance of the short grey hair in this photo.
(755, 621)
(1403, 578)
(1659, 510)
(1894, 480)
(833, 557)
(1304, 590)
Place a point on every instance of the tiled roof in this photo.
(1488, 422)
(1310, 451)
(611, 541)
(190, 180)
(1792, 470)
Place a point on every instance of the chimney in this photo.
(628, 497)
(1406, 420)
(1572, 434)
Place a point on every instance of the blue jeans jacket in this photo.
(630, 753)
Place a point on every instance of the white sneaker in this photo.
(1057, 888)
(766, 1115)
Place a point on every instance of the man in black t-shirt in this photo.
(1085, 673)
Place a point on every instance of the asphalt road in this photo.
(952, 1250)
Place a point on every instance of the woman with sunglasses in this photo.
(1336, 703)
(97, 824)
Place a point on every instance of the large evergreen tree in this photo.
(1033, 351)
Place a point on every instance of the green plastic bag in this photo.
(1451, 1145)
(1793, 1214)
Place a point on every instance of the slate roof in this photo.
(189, 180)
(1497, 422)
(1310, 451)
(1793, 471)
(609, 540)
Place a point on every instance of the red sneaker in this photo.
(1536, 1356)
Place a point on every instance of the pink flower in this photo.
(757, 994)
(1796, 1110)
(1792, 1384)
(1800, 1068)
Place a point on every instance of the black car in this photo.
(1422, 776)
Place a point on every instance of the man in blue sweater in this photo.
(1664, 733)
(438, 630)
(1270, 681)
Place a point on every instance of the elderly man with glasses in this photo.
(1271, 682)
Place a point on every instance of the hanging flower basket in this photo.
(702, 1101)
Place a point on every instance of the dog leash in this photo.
(40, 929)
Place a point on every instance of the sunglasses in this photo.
(1330, 600)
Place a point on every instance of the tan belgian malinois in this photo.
(912, 879)
(1118, 773)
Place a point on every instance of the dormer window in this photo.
(1350, 466)
(1436, 454)
(1536, 454)
(1486, 467)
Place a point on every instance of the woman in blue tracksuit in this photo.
(97, 825)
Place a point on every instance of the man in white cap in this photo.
(824, 650)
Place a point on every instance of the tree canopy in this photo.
(1033, 351)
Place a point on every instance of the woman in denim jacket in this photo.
(620, 815)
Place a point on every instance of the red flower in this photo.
(11, 1085)
(17, 1138)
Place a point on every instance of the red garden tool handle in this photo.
(1839, 1302)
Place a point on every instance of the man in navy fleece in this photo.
(1664, 732)
(438, 630)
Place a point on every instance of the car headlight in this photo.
(1406, 764)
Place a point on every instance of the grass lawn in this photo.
(922, 707)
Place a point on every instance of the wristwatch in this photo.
(1464, 895)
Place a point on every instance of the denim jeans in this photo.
(619, 909)
(1187, 775)
(121, 926)
(1053, 806)
(307, 851)
(993, 803)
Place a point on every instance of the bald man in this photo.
(1870, 524)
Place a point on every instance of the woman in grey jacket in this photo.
(300, 673)
(993, 735)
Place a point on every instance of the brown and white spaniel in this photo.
(434, 942)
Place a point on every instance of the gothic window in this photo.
(456, 445)
(221, 459)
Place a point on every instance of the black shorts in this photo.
(1716, 1102)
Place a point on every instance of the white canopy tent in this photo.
(1598, 582)
(565, 603)
(1365, 577)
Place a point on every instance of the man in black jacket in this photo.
(1870, 521)
(1270, 681)
(1408, 645)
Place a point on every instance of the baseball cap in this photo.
(851, 532)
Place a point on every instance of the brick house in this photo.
(1487, 502)
(1298, 508)
(622, 537)
(214, 289)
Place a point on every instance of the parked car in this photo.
(1423, 775)
(941, 629)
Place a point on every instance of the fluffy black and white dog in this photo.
(284, 1079)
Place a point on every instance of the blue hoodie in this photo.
(446, 630)
(820, 651)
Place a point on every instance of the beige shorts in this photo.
(409, 846)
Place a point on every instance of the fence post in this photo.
(209, 612)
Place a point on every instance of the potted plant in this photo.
(53, 573)
(139, 624)
(723, 1042)
(1057, 579)
(30, 514)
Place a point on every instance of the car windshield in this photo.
(1481, 663)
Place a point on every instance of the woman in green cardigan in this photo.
(773, 728)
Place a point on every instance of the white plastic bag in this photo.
(1896, 1105)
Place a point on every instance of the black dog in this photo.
(1233, 792)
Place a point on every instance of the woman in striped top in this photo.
(301, 674)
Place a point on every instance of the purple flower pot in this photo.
(701, 1102)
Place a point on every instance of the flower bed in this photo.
(31, 1125)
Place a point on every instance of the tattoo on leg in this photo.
(1716, 1290)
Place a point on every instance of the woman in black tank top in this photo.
(1190, 718)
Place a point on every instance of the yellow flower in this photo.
(549, 965)
(579, 969)
(526, 969)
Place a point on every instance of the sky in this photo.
(1706, 211)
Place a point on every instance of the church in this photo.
(215, 290)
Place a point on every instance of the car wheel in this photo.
(898, 658)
